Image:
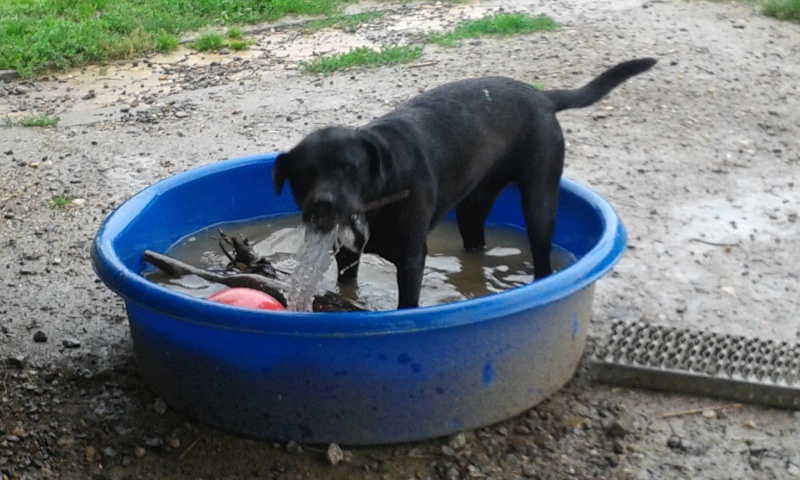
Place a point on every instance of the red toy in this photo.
(246, 297)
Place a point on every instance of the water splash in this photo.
(314, 257)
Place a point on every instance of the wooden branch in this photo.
(326, 302)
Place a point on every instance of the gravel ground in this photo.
(699, 156)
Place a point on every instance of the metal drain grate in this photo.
(700, 363)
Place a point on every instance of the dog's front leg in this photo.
(409, 277)
(347, 262)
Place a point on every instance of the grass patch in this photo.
(59, 201)
(208, 41)
(238, 45)
(234, 40)
(166, 42)
(41, 35)
(34, 121)
(501, 24)
(362, 57)
(235, 34)
(347, 23)
(783, 9)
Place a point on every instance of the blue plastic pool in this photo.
(348, 378)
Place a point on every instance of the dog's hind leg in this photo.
(471, 215)
(539, 185)
(540, 226)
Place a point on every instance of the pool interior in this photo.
(451, 273)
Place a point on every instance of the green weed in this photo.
(59, 201)
(362, 57)
(348, 23)
(783, 9)
(235, 33)
(208, 41)
(166, 42)
(501, 24)
(36, 121)
(238, 45)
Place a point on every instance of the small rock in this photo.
(529, 471)
(39, 337)
(448, 451)
(294, 447)
(71, 343)
(453, 474)
(729, 290)
(181, 114)
(17, 361)
(154, 442)
(65, 442)
(139, 452)
(109, 452)
(458, 441)
(89, 454)
(77, 202)
(618, 429)
(619, 446)
(682, 306)
(710, 413)
(174, 442)
(686, 444)
(674, 442)
(750, 424)
(160, 406)
(224, 51)
(335, 454)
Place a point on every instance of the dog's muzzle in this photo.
(323, 213)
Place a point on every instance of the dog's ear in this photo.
(378, 154)
(279, 171)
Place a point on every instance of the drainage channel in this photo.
(724, 366)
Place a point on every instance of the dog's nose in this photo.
(321, 213)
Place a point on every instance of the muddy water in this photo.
(450, 273)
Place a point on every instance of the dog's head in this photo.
(333, 173)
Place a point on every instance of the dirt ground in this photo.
(699, 156)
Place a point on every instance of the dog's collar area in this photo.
(384, 201)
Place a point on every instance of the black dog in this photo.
(456, 146)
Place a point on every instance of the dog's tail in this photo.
(600, 86)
